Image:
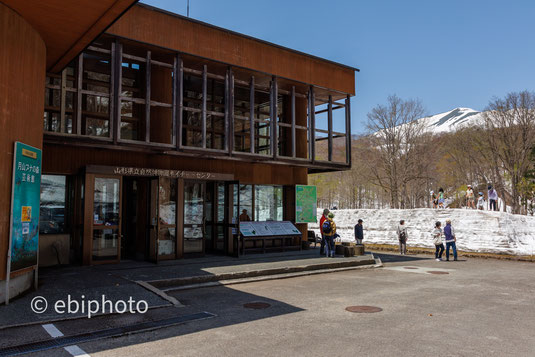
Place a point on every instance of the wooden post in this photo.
(175, 87)
(63, 98)
(180, 100)
(147, 98)
(348, 131)
(330, 127)
(251, 116)
(273, 117)
(293, 122)
(203, 111)
(231, 111)
(80, 76)
(312, 129)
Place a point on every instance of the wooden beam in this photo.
(63, 98)
(115, 95)
(147, 98)
(330, 127)
(203, 112)
(251, 115)
(227, 132)
(231, 112)
(293, 122)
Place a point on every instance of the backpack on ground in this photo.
(326, 228)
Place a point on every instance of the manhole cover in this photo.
(256, 305)
(363, 309)
(437, 272)
(409, 268)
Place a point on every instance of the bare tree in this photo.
(395, 134)
(510, 126)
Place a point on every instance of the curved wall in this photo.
(22, 82)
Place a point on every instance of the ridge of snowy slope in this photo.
(452, 120)
(477, 231)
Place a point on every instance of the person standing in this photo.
(437, 240)
(322, 220)
(470, 197)
(441, 198)
(449, 233)
(402, 236)
(359, 232)
(493, 198)
(329, 231)
(481, 202)
(244, 217)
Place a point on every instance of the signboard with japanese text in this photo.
(26, 190)
(268, 228)
(306, 204)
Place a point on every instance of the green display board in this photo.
(25, 199)
(306, 203)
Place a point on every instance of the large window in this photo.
(53, 204)
(268, 203)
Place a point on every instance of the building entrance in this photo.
(158, 218)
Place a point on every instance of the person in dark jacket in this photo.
(359, 232)
(322, 220)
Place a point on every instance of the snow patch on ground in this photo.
(477, 231)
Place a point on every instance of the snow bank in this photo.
(477, 231)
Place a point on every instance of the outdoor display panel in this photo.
(26, 190)
(305, 204)
(268, 228)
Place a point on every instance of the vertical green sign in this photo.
(25, 198)
(306, 204)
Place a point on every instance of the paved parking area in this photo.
(479, 308)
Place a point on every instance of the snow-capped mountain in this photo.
(451, 121)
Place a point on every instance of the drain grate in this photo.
(363, 309)
(256, 305)
(437, 272)
(113, 332)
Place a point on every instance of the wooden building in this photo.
(159, 130)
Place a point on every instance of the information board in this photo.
(268, 228)
(305, 204)
(26, 191)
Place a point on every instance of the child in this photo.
(481, 202)
(437, 240)
(441, 198)
(434, 199)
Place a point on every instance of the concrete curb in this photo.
(167, 285)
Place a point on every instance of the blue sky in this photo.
(448, 54)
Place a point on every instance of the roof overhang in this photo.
(67, 27)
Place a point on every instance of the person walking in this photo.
(441, 198)
(470, 197)
(434, 199)
(493, 198)
(322, 220)
(402, 237)
(437, 240)
(329, 231)
(449, 233)
(359, 232)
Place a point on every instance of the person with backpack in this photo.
(359, 232)
(329, 231)
(493, 198)
(434, 199)
(402, 236)
(437, 240)
(449, 233)
(322, 220)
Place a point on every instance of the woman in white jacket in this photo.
(437, 240)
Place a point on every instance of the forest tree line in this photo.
(398, 162)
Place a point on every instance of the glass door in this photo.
(194, 218)
(163, 204)
(106, 220)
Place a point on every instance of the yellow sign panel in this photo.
(29, 153)
(26, 214)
